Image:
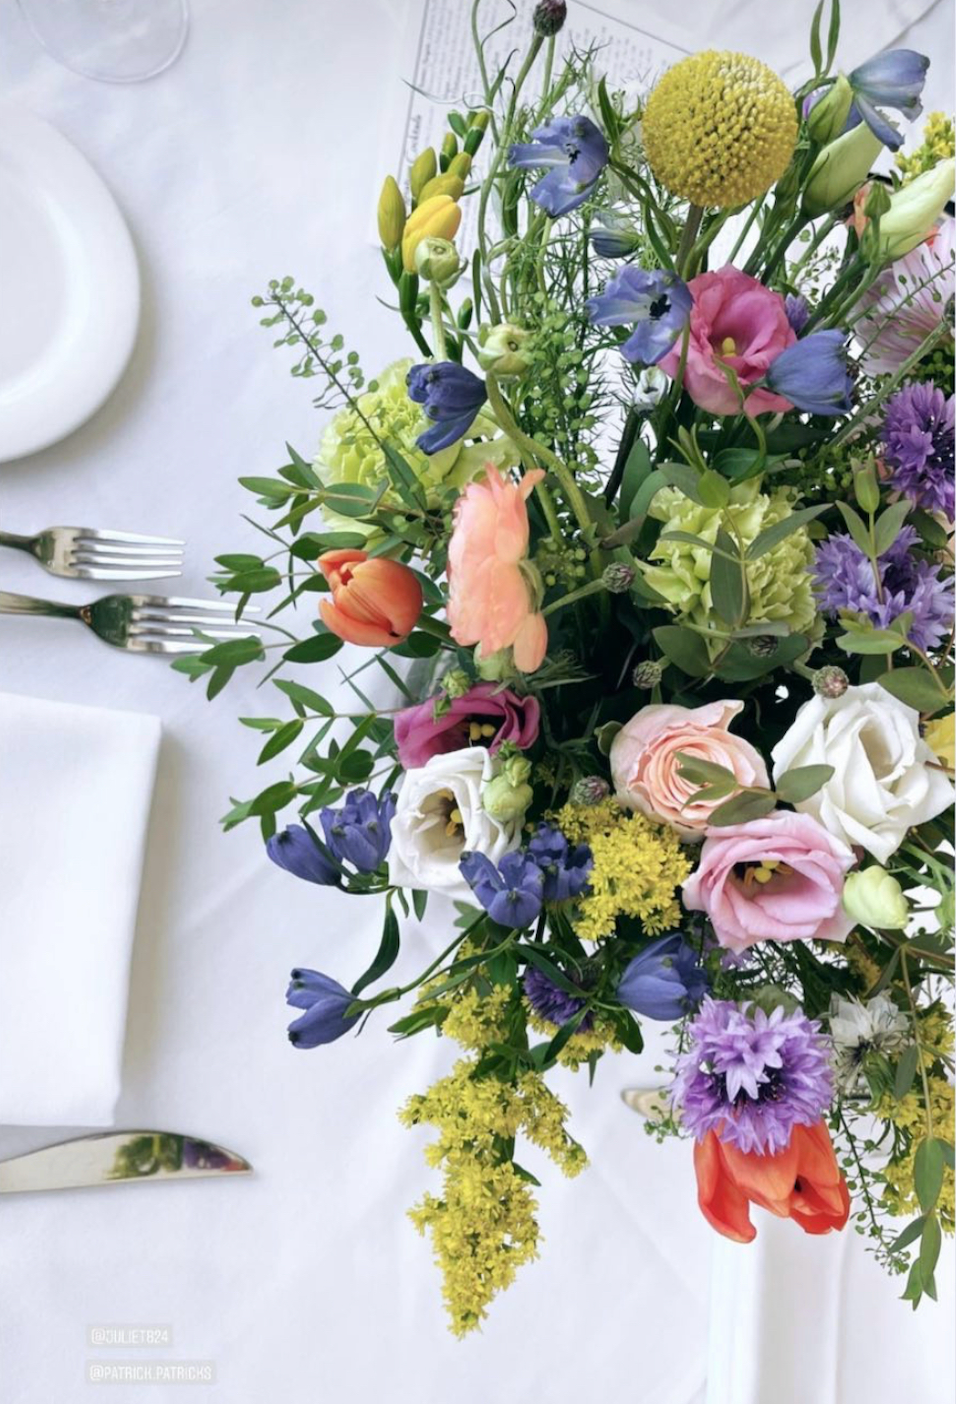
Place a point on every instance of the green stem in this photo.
(695, 214)
(438, 321)
(592, 587)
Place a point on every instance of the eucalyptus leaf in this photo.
(773, 535)
(798, 784)
(280, 739)
(915, 687)
(315, 650)
(905, 1071)
(929, 1247)
(752, 804)
(305, 697)
(685, 648)
(728, 583)
(928, 1166)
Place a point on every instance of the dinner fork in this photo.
(82, 553)
(143, 623)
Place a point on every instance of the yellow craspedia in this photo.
(719, 128)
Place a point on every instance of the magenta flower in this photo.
(774, 879)
(486, 714)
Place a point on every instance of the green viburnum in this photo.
(350, 452)
(779, 581)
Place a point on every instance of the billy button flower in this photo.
(719, 129)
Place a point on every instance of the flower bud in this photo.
(446, 184)
(590, 789)
(830, 682)
(449, 148)
(865, 487)
(914, 210)
(424, 169)
(508, 795)
(437, 261)
(476, 130)
(839, 170)
(827, 116)
(651, 388)
(618, 577)
(940, 736)
(504, 349)
(460, 165)
(496, 666)
(391, 214)
(456, 683)
(647, 674)
(549, 16)
(437, 218)
(874, 897)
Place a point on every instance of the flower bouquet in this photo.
(650, 536)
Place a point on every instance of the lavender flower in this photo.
(657, 304)
(664, 980)
(574, 151)
(844, 580)
(360, 832)
(550, 1002)
(295, 850)
(565, 869)
(451, 395)
(510, 893)
(325, 1002)
(918, 446)
(751, 1076)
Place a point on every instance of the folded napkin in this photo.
(75, 790)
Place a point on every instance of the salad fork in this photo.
(82, 553)
(143, 623)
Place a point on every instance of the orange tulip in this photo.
(375, 601)
(803, 1183)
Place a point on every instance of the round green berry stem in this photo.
(591, 588)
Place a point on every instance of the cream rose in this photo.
(439, 816)
(645, 761)
(883, 783)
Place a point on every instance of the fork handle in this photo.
(19, 543)
(26, 604)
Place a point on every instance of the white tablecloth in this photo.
(256, 155)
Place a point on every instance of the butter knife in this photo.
(116, 1157)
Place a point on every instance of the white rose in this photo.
(439, 817)
(883, 783)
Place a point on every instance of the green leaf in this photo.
(728, 583)
(929, 1248)
(833, 34)
(255, 582)
(239, 562)
(929, 529)
(237, 651)
(695, 770)
(305, 697)
(217, 680)
(353, 499)
(816, 51)
(417, 645)
(909, 1235)
(315, 650)
(193, 666)
(915, 687)
(948, 1152)
(356, 767)
(742, 808)
(802, 781)
(385, 956)
(888, 525)
(928, 1166)
(685, 648)
(856, 527)
(427, 1017)
(914, 1285)
(604, 736)
(905, 1072)
(740, 665)
(281, 739)
(636, 470)
(273, 488)
(713, 488)
(419, 902)
(685, 478)
(773, 535)
(272, 799)
(862, 640)
(312, 544)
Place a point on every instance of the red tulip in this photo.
(803, 1183)
(375, 601)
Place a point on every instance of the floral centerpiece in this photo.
(661, 502)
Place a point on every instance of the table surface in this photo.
(256, 155)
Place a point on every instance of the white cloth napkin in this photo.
(75, 790)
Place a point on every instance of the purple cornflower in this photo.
(844, 580)
(552, 1003)
(360, 832)
(655, 303)
(510, 893)
(451, 395)
(574, 152)
(566, 869)
(751, 1076)
(918, 443)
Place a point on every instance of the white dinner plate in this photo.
(69, 287)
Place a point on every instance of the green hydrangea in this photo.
(351, 453)
(779, 581)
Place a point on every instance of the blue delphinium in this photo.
(812, 374)
(665, 980)
(549, 1001)
(918, 446)
(655, 303)
(325, 1002)
(566, 868)
(574, 151)
(612, 236)
(451, 395)
(511, 892)
(844, 580)
(360, 831)
(295, 850)
(798, 311)
(893, 79)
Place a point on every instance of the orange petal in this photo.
(531, 644)
(354, 630)
(722, 1203)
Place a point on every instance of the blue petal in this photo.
(559, 193)
(445, 433)
(894, 78)
(881, 127)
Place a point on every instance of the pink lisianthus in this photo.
(496, 713)
(645, 761)
(491, 598)
(779, 878)
(734, 319)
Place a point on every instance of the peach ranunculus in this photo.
(492, 599)
(645, 761)
(375, 602)
(734, 319)
(802, 1182)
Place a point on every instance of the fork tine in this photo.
(132, 538)
(137, 631)
(165, 602)
(109, 572)
(128, 562)
(139, 645)
(99, 549)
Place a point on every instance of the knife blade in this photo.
(117, 1157)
